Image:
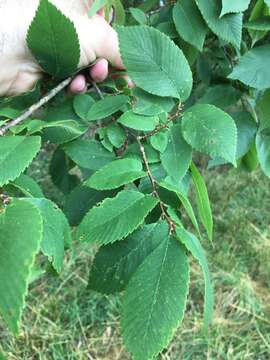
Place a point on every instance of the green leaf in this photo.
(27, 186)
(253, 69)
(263, 150)
(210, 130)
(115, 218)
(34, 126)
(20, 236)
(168, 28)
(228, 28)
(96, 6)
(133, 151)
(82, 104)
(261, 24)
(59, 171)
(158, 173)
(263, 110)
(89, 154)
(59, 51)
(202, 201)
(148, 5)
(184, 200)
(61, 111)
(147, 109)
(9, 113)
(116, 135)
(221, 96)
(159, 141)
(120, 15)
(104, 139)
(81, 200)
(138, 122)
(145, 99)
(106, 107)
(236, 6)
(194, 246)
(16, 153)
(56, 231)
(177, 156)
(258, 11)
(250, 161)
(246, 131)
(116, 174)
(154, 301)
(153, 62)
(57, 132)
(189, 23)
(138, 15)
(114, 264)
(63, 131)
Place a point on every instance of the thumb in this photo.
(99, 40)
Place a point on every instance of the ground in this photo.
(62, 321)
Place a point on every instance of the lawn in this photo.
(63, 321)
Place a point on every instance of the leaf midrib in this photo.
(53, 40)
(156, 291)
(125, 257)
(159, 66)
(120, 212)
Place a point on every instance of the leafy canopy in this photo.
(128, 163)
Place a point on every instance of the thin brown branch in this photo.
(155, 131)
(97, 89)
(35, 106)
(154, 187)
(171, 118)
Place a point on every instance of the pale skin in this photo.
(18, 69)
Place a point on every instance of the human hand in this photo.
(19, 70)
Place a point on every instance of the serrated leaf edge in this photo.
(218, 35)
(121, 260)
(212, 154)
(170, 335)
(50, 257)
(67, 19)
(111, 199)
(32, 262)
(27, 163)
(162, 35)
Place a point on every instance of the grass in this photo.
(64, 321)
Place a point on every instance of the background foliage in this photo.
(123, 160)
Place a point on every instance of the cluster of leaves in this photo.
(123, 157)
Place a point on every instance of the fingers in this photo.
(78, 85)
(99, 71)
(108, 46)
(98, 40)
